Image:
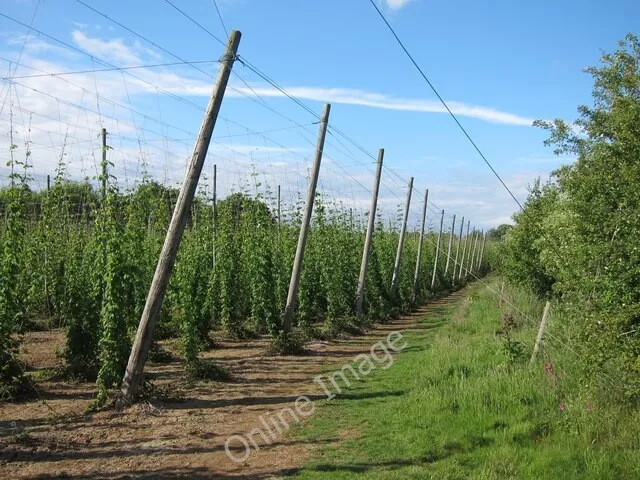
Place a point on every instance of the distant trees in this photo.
(497, 234)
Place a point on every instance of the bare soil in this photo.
(51, 436)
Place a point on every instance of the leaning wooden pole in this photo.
(144, 335)
(368, 239)
(476, 251)
(294, 283)
(396, 266)
(416, 275)
(543, 326)
(469, 247)
(455, 264)
(481, 257)
(453, 227)
(473, 253)
(464, 249)
(435, 260)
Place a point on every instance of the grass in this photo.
(456, 405)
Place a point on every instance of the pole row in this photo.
(469, 262)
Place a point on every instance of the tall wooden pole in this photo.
(144, 335)
(104, 172)
(416, 275)
(306, 221)
(396, 266)
(472, 258)
(543, 326)
(481, 256)
(214, 213)
(369, 235)
(435, 260)
(468, 259)
(476, 251)
(453, 234)
(455, 264)
(103, 194)
(464, 249)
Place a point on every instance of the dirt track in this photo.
(173, 439)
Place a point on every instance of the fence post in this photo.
(416, 275)
(396, 265)
(453, 226)
(455, 264)
(144, 335)
(369, 235)
(464, 249)
(294, 283)
(543, 326)
(435, 260)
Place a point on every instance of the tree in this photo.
(497, 234)
(583, 233)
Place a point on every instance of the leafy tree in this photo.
(581, 234)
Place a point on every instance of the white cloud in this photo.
(378, 100)
(397, 4)
(115, 50)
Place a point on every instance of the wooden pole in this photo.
(473, 253)
(435, 260)
(464, 249)
(104, 171)
(469, 247)
(475, 258)
(416, 275)
(396, 266)
(481, 257)
(543, 326)
(306, 221)
(279, 209)
(215, 214)
(369, 235)
(144, 335)
(453, 226)
(48, 183)
(455, 264)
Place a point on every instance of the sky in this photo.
(498, 65)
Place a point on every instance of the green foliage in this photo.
(114, 344)
(579, 236)
(12, 311)
(83, 259)
(499, 233)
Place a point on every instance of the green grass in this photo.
(455, 406)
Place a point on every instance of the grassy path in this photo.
(455, 404)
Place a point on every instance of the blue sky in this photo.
(500, 65)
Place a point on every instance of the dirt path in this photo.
(174, 440)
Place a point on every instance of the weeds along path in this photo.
(177, 439)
